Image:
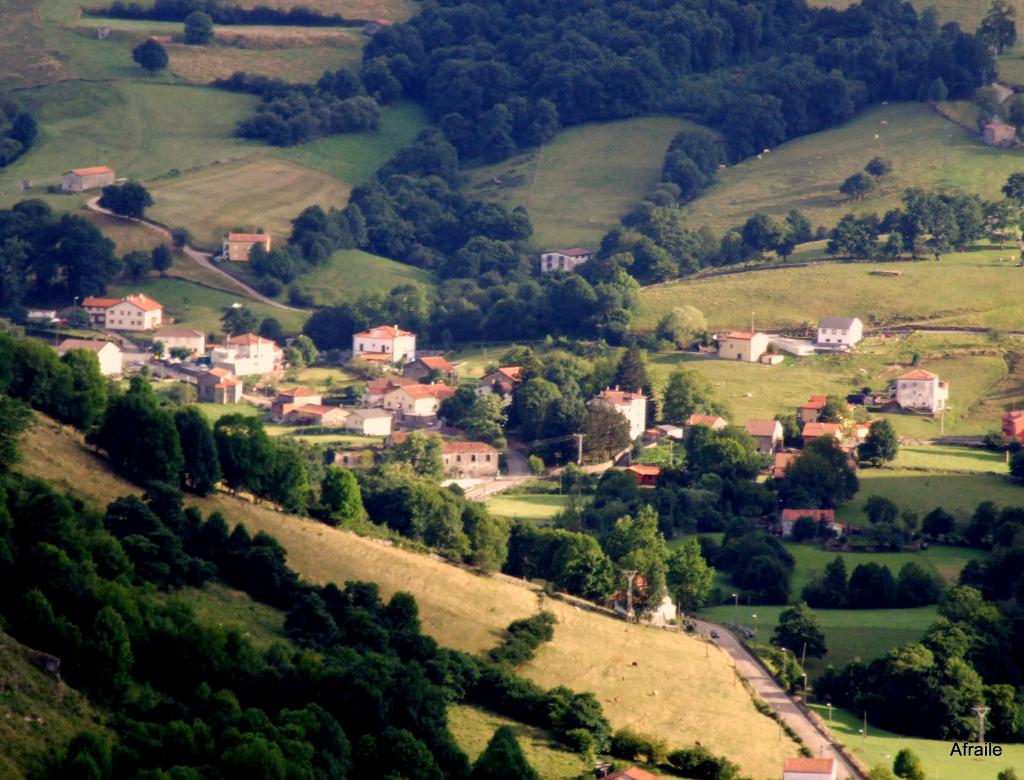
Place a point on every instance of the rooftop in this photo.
(384, 332)
(144, 302)
(633, 773)
(642, 470)
(180, 333)
(620, 397)
(820, 765)
(574, 251)
(248, 238)
(763, 427)
(104, 303)
(467, 447)
(248, 338)
(93, 345)
(91, 171)
(740, 335)
(436, 362)
(918, 374)
(843, 323)
(297, 392)
(814, 514)
(813, 429)
(435, 390)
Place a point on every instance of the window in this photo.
(472, 458)
(458, 459)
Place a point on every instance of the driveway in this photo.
(778, 700)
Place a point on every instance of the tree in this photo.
(631, 372)
(880, 509)
(799, 226)
(198, 28)
(937, 91)
(201, 469)
(857, 186)
(161, 258)
(915, 587)
(853, 237)
(761, 233)
(881, 444)
(288, 482)
(83, 395)
(998, 26)
(15, 417)
(130, 199)
(682, 326)
(880, 773)
(822, 474)
(109, 652)
(799, 632)
(938, 523)
(831, 591)
(485, 419)
(635, 543)
(1014, 188)
(1017, 465)
(340, 495)
(503, 759)
(137, 264)
(605, 432)
(686, 393)
(1002, 218)
(872, 586)
(238, 320)
(421, 451)
(150, 55)
(689, 577)
(878, 168)
(908, 766)
(245, 452)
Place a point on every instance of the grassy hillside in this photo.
(674, 691)
(351, 272)
(219, 606)
(36, 712)
(305, 63)
(578, 186)
(967, 12)
(925, 149)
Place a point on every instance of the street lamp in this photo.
(829, 705)
(754, 616)
(805, 689)
(736, 609)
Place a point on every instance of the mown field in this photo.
(925, 149)
(673, 691)
(578, 186)
(527, 507)
(349, 273)
(940, 458)
(881, 747)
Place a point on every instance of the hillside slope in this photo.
(655, 681)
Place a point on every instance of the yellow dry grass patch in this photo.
(259, 191)
(697, 696)
(203, 64)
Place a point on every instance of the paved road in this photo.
(779, 701)
(201, 258)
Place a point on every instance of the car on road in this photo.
(714, 635)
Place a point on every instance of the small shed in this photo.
(998, 133)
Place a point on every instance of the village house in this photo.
(632, 773)
(503, 381)
(767, 435)
(291, 398)
(376, 389)
(469, 459)
(82, 179)
(238, 246)
(385, 343)
(742, 345)
(921, 391)
(1013, 425)
(714, 421)
(782, 461)
(998, 133)
(317, 414)
(815, 430)
(369, 422)
(247, 355)
(360, 459)
(181, 338)
(668, 431)
(107, 353)
(434, 368)
(564, 259)
(808, 412)
(647, 476)
(809, 769)
(840, 331)
(418, 404)
(133, 312)
(787, 517)
(632, 406)
(218, 386)
(861, 430)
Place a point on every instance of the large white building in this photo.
(176, 338)
(564, 259)
(385, 343)
(841, 331)
(133, 312)
(632, 406)
(107, 353)
(921, 391)
(247, 355)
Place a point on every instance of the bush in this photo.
(633, 746)
(299, 297)
(698, 763)
(524, 637)
(271, 287)
(536, 465)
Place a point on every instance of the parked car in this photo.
(714, 635)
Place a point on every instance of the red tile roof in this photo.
(633, 773)
(91, 171)
(248, 238)
(297, 392)
(219, 372)
(742, 335)
(437, 362)
(705, 419)
(814, 429)
(388, 383)
(819, 765)
(435, 390)
(815, 402)
(763, 427)
(248, 338)
(104, 303)
(620, 397)
(384, 332)
(227, 383)
(467, 447)
(918, 374)
(512, 372)
(316, 410)
(144, 302)
(814, 514)
(782, 460)
(642, 470)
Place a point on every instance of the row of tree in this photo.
(17, 130)
(223, 12)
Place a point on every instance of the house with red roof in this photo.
(743, 345)
(714, 421)
(82, 179)
(815, 430)
(789, 516)
(921, 391)
(1013, 425)
(418, 404)
(646, 475)
(376, 389)
(317, 414)
(809, 769)
(633, 773)
(133, 312)
(433, 367)
(632, 406)
(767, 435)
(238, 246)
(181, 338)
(567, 260)
(503, 381)
(472, 459)
(290, 399)
(811, 409)
(218, 386)
(385, 343)
(782, 462)
(247, 355)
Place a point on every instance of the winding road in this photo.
(769, 690)
(201, 258)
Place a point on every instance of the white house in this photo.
(921, 391)
(387, 343)
(107, 353)
(564, 259)
(632, 406)
(369, 422)
(809, 769)
(181, 338)
(418, 402)
(133, 312)
(247, 355)
(841, 331)
(742, 345)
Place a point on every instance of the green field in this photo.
(299, 63)
(349, 273)
(214, 412)
(959, 459)
(473, 729)
(219, 606)
(577, 186)
(527, 507)
(881, 747)
(925, 149)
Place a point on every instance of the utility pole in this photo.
(630, 576)
(736, 609)
(981, 712)
(579, 449)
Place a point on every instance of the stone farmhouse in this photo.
(218, 386)
(418, 404)
(469, 459)
(82, 179)
(767, 435)
(920, 391)
(237, 247)
(425, 367)
(742, 345)
(564, 259)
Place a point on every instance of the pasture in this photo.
(677, 690)
(526, 506)
(925, 149)
(581, 183)
(350, 273)
(297, 63)
(218, 606)
(958, 459)
(880, 747)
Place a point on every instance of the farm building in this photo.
(1013, 425)
(742, 345)
(376, 389)
(840, 331)
(82, 179)
(418, 404)
(501, 380)
(668, 431)
(809, 769)
(632, 406)
(808, 412)
(317, 414)
(471, 459)
(767, 434)
(921, 391)
(354, 459)
(369, 422)
(238, 246)
(564, 259)
(789, 516)
(107, 353)
(998, 133)
(647, 476)
(133, 312)
(433, 368)
(782, 462)
(632, 773)
(181, 338)
(714, 421)
(247, 355)
(387, 343)
(291, 399)
(218, 386)
(815, 430)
